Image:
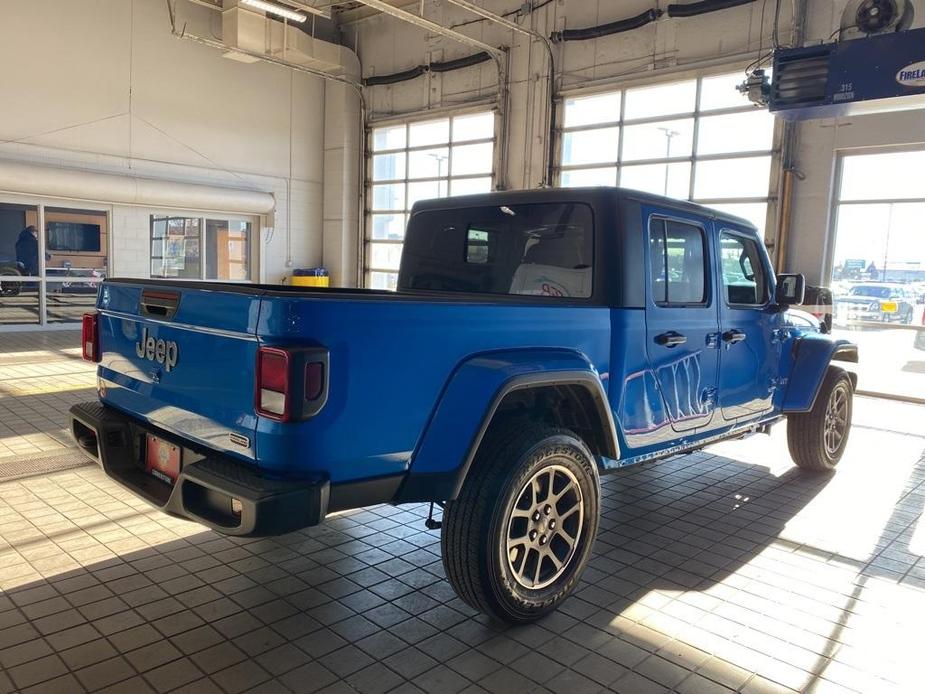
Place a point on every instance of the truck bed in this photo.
(390, 358)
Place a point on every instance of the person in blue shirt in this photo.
(27, 250)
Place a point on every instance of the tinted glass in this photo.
(227, 249)
(743, 271)
(676, 256)
(537, 250)
(175, 249)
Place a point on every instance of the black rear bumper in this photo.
(208, 483)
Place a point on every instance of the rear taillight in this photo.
(314, 381)
(272, 396)
(90, 337)
(291, 384)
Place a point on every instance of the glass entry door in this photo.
(20, 271)
(878, 268)
(52, 260)
(76, 261)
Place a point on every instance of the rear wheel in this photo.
(517, 538)
(817, 438)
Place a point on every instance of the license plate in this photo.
(162, 459)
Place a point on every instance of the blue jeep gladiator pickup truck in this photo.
(537, 340)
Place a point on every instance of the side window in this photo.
(744, 281)
(676, 257)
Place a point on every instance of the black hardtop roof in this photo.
(592, 195)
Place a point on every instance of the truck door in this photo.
(681, 319)
(750, 345)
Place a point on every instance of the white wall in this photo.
(102, 85)
(662, 50)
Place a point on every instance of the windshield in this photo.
(534, 250)
(871, 290)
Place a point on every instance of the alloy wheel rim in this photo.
(544, 527)
(836, 420)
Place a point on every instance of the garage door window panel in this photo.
(428, 163)
(658, 140)
(420, 160)
(733, 178)
(573, 178)
(590, 110)
(661, 100)
(389, 167)
(470, 186)
(751, 131)
(672, 179)
(591, 146)
(695, 139)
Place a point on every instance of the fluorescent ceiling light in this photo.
(278, 10)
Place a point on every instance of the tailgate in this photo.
(182, 359)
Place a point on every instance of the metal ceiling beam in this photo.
(497, 18)
(386, 8)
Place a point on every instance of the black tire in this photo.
(810, 438)
(477, 526)
(907, 318)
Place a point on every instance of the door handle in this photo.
(733, 336)
(670, 339)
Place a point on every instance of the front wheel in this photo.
(817, 438)
(517, 538)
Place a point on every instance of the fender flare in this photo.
(811, 356)
(468, 404)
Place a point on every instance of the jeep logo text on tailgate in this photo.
(162, 351)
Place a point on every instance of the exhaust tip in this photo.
(86, 439)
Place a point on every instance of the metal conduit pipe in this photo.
(551, 88)
(357, 88)
(395, 77)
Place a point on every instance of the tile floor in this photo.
(41, 376)
(718, 571)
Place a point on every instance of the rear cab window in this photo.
(541, 249)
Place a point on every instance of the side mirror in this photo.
(791, 289)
